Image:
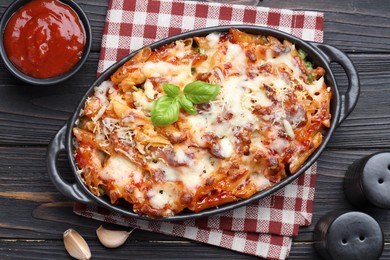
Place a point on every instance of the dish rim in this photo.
(317, 56)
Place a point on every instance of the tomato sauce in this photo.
(44, 38)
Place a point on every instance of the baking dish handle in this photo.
(71, 190)
(350, 98)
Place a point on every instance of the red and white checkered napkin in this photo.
(264, 228)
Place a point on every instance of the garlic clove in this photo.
(112, 238)
(76, 246)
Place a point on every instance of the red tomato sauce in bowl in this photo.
(44, 38)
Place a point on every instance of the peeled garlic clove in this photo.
(112, 238)
(76, 246)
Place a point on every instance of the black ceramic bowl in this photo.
(53, 80)
(321, 54)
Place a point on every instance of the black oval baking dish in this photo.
(321, 54)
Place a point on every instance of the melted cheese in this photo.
(236, 57)
(158, 198)
(150, 93)
(255, 94)
(260, 180)
(213, 39)
(170, 174)
(241, 139)
(226, 147)
(121, 171)
(316, 87)
(101, 93)
(142, 102)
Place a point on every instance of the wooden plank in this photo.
(354, 26)
(27, 185)
(32, 249)
(54, 249)
(32, 115)
(28, 115)
(329, 194)
(33, 214)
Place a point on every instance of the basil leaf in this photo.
(200, 92)
(171, 90)
(302, 54)
(165, 111)
(200, 50)
(308, 65)
(187, 105)
(311, 77)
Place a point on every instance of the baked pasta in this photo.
(266, 118)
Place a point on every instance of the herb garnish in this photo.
(308, 64)
(166, 109)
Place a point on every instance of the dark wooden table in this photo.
(33, 214)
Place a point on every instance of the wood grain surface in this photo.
(33, 214)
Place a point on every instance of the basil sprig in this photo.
(166, 109)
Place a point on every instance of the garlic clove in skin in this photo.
(76, 246)
(112, 238)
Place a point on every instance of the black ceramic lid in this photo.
(367, 181)
(348, 236)
(376, 180)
